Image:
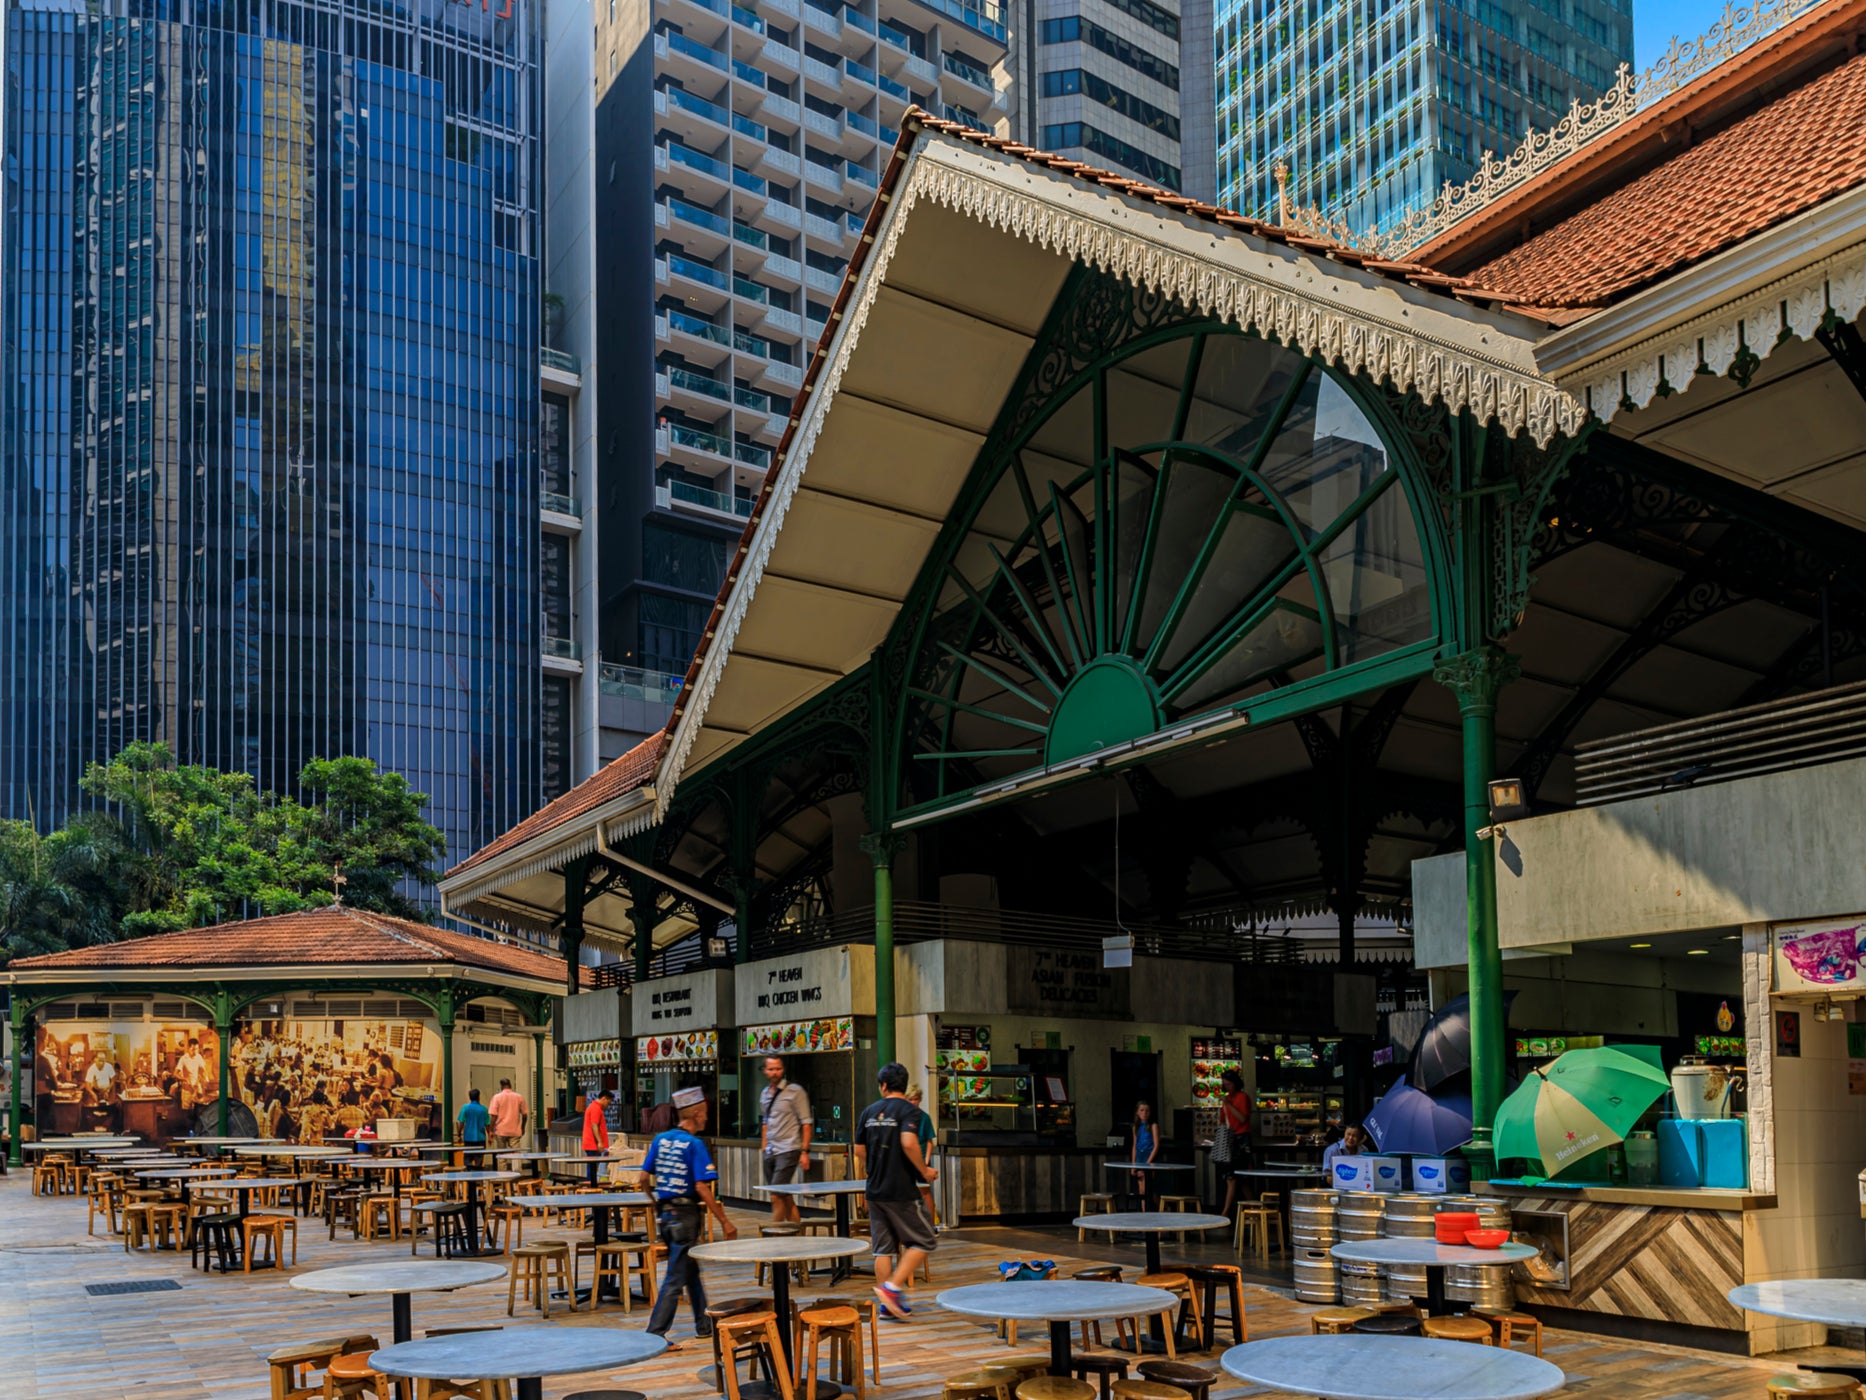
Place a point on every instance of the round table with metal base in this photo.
(1833, 1302)
(1152, 1224)
(477, 1245)
(527, 1353)
(599, 1204)
(398, 1281)
(781, 1251)
(1434, 1257)
(841, 1192)
(1059, 1302)
(1351, 1366)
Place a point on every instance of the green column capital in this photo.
(1475, 677)
(882, 846)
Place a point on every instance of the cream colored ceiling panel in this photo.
(1838, 490)
(1743, 437)
(813, 625)
(753, 690)
(954, 259)
(873, 452)
(932, 360)
(831, 539)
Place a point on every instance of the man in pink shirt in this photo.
(508, 1112)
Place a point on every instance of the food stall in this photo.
(680, 1025)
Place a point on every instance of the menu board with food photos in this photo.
(1210, 1059)
(800, 1037)
(593, 1054)
(683, 1050)
(963, 1074)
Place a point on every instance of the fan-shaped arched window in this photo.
(1205, 519)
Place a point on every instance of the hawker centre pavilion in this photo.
(1134, 567)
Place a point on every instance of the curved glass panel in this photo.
(1199, 521)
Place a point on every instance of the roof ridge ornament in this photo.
(1735, 30)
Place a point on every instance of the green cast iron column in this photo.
(223, 1028)
(444, 1012)
(22, 1032)
(881, 847)
(1474, 678)
(537, 1092)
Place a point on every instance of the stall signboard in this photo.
(688, 1049)
(1056, 982)
(1829, 956)
(821, 984)
(800, 1037)
(594, 1054)
(692, 1001)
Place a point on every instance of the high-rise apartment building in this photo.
(269, 394)
(1126, 85)
(1375, 107)
(710, 166)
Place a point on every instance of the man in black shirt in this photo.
(889, 1150)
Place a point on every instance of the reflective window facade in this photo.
(269, 416)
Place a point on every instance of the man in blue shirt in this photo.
(679, 1173)
(472, 1119)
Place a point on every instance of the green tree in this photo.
(368, 823)
(64, 890)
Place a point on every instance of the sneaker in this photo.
(703, 1330)
(893, 1300)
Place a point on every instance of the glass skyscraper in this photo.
(269, 474)
(1374, 105)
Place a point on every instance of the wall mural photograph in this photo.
(146, 1077)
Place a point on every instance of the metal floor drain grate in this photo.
(154, 1285)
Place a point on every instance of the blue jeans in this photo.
(596, 1160)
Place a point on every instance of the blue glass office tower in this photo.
(270, 295)
(1375, 105)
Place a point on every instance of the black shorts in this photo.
(895, 1226)
(781, 1167)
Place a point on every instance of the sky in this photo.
(1656, 21)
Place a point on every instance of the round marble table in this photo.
(538, 1159)
(1058, 1302)
(1434, 1257)
(82, 1142)
(528, 1353)
(598, 1204)
(842, 1192)
(475, 1246)
(781, 1251)
(1355, 1367)
(398, 1281)
(1833, 1302)
(1152, 1224)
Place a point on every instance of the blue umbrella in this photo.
(1410, 1120)
(1443, 1050)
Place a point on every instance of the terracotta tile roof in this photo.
(1784, 158)
(624, 775)
(335, 937)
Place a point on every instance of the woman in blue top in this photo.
(1146, 1139)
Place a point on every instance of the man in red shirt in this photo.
(596, 1130)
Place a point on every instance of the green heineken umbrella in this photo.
(1586, 1100)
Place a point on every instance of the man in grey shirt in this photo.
(785, 1129)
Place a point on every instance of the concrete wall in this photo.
(591, 1016)
(1616, 994)
(1776, 848)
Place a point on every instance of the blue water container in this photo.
(1681, 1152)
(1726, 1153)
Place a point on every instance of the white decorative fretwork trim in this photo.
(1735, 30)
(1480, 361)
(1709, 343)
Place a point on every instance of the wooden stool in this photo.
(1388, 1324)
(869, 1311)
(719, 1312)
(987, 1383)
(1459, 1329)
(1210, 1278)
(759, 1330)
(215, 1240)
(1813, 1383)
(530, 1265)
(379, 1216)
(351, 1374)
(47, 1179)
(1054, 1388)
(1259, 1219)
(103, 1200)
(1196, 1381)
(272, 1229)
(1093, 1203)
(507, 1219)
(1332, 1321)
(1190, 1204)
(625, 1261)
(1509, 1322)
(292, 1364)
(1188, 1312)
(158, 1222)
(1106, 1366)
(843, 1328)
(1149, 1390)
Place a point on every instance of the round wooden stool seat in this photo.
(1389, 1324)
(826, 1316)
(1813, 1383)
(1054, 1388)
(1458, 1329)
(352, 1366)
(1331, 1320)
(985, 1384)
(1101, 1273)
(1168, 1281)
(1100, 1363)
(1149, 1390)
(1183, 1374)
(1509, 1322)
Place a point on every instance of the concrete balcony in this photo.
(780, 112)
(780, 58)
(682, 498)
(560, 656)
(786, 164)
(825, 126)
(559, 370)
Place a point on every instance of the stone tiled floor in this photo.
(206, 1340)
